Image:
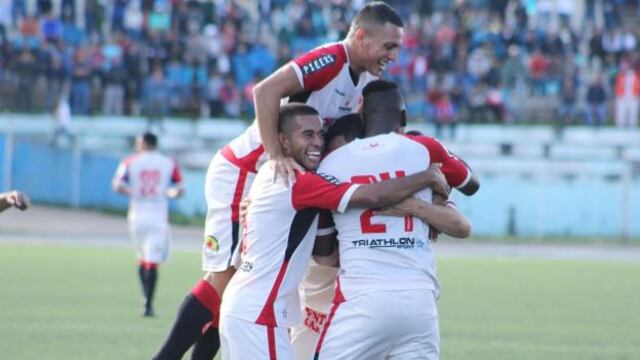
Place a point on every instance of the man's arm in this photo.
(266, 96)
(325, 249)
(386, 193)
(14, 198)
(119, 182)
(473, 184)
(446, 219)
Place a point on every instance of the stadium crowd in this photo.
(477, 60)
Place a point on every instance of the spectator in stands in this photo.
(81, 83)
(156, 96)
(214, 87)
(230, 97)
(26, 68)
(115, 79)
(568, 95)
(627, 88)
(444, 115)
(595, 114)
(538, 66)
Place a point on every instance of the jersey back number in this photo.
(366, 224)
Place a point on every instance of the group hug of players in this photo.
(332, 257)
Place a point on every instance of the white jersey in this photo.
(277, 242)
(384, 252)
(327, 86)
(148, 174)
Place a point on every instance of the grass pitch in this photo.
(82, 303)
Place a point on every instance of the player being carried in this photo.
(330, 79)
(261, 301)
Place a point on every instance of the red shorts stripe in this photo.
(271, 336)
(337, 300)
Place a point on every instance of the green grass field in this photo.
(82, 303)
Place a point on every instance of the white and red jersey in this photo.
(277, 242)
(148, 175)
(327, 86)
(384, 252)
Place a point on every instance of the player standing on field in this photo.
(261, 301)
(386, 287)
(330, 79)
(149, 179)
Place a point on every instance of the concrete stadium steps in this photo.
(583, 152)
(541, 168)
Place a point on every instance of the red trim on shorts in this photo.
(237, 195)
(271, 337)
(248, 162)
(147, 265)
(267, 315)
(337, 300)
(209, 298)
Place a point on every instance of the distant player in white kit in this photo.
(261, 301)
(386, 290)
(329, 78)
(149, 179)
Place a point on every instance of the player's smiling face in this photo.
(305, 143)
(381, 46)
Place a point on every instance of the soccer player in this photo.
(149, 178)
(261, 301)
(330, 79)
(317, 286)
(387, 287)
(14, 198)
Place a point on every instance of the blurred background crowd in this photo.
(462, 61)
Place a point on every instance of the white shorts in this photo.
(398, 324)
(225, 186)
(242, 340)
(152, 240)
(304, 337)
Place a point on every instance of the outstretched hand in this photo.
(286, 166)
(18, 199)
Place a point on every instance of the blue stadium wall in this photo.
(505, 205)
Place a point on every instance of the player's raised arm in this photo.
(266, 96)
(445, 218)
(386, 193)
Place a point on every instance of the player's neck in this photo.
(355, 63)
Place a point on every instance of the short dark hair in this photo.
(378, 85)
(288, 113)
(375, 12)
(150, 139)
(382, 96)
(349, 126)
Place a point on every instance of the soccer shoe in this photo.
(147, 311)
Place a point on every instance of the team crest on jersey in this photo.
(211, 242)
(318, 64)
(330, 178)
